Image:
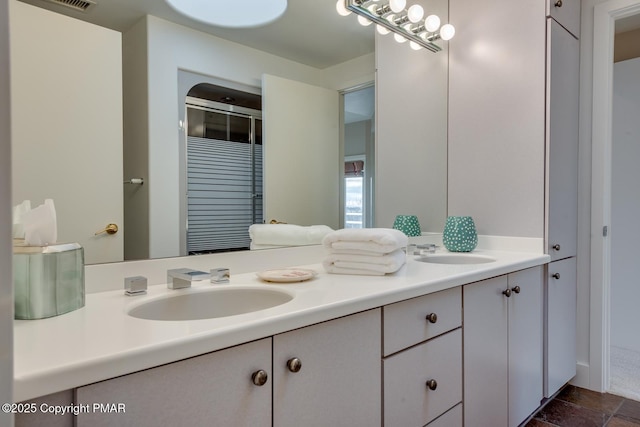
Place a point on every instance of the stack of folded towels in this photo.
(366, 251)
(278, 235)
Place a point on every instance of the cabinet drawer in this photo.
(453, 418)
(408, 401)
(406, 324)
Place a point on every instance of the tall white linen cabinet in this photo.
(513, 166)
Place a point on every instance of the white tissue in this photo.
(40, 225)
(18, 213)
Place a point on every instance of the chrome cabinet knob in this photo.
(556, 276)
(432, 384)
(516, 289)
(259, 378)
(556, 247)
(432, 318)
(506, 293)
(294, 364)
(558, 3)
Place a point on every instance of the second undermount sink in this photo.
(450, 258)
(209, 304)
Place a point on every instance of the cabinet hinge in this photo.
(605, 231)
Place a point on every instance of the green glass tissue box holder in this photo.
(48, 280)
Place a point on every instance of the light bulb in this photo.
(364, 21)
(397, 5)
(382, 30)
(342, 9)
(432, 23)
(399, 38)
(415, 13)
(447, 32)
(414, 45)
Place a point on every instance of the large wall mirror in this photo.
(85, 140)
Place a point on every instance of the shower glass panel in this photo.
(224, 177)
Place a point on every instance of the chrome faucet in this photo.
(179, 278)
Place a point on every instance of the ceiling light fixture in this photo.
(231, 13)
(407, 24)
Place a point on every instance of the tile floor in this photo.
(577, 407)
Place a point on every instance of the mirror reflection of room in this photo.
(120, 160)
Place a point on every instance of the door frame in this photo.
(605, 15)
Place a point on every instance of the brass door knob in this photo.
(259, 378)
(109, 229)
(432, 318)
(516, 289)
(432, 384)
(506, 293)
(294, 364)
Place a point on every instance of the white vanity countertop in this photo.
(100, 341)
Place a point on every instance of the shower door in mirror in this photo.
(224, 178)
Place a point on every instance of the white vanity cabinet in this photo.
(567, 13)
(562, 182)
(323, 374)
(563, 51)
(216, 389)
(422, 366)
(503, 343)
(328, 374)
(560, 325)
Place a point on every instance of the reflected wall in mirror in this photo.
(65, 145)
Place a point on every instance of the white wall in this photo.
(6, 288)
(497, 116)
(584, 194)
(135, 98)
(172, 47)
(411, 125)
(356, 136)
(625, 212)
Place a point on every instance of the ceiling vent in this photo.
(79, 5)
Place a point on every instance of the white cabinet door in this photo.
(567, 13)
(562, 118)
(339, 380)
(560, 337)
(502, 327)
(525, 343)
(215, 389)
(485, 353)
(66, 107)
(301, 180)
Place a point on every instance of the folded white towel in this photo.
(375, 265)
(365, 240)
(287, 234)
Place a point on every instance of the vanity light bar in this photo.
(405, 26)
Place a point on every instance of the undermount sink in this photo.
(209, 304)
(456, 259)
